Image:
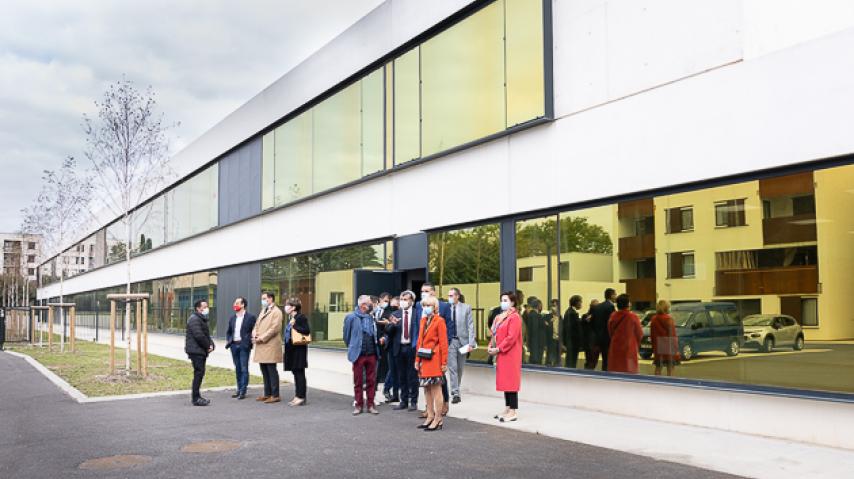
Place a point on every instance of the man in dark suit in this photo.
(570, 332)
(601, 315)
(198, 344)
(239, 340)
(401, 336)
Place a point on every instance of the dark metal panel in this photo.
(241, 280)
(508, 255)
(240, 183)
(410, 252)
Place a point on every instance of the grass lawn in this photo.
(88, 370)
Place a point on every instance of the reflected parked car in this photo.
(702, 327)
(767, 331)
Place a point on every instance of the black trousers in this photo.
(511, 400)
(299, 382)
(571, 360)
(271, 379)
(198, 361)
(407, 375)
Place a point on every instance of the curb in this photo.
(81, 398)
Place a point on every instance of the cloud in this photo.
(203, 58)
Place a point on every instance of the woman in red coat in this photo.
(433, 342)
(626, 333)
(665, 343)
(506, 347)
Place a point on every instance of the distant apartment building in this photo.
(20, 254)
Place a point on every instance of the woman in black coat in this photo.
(296, 356)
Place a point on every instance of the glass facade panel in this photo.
(150, 225)
(268, 170)
(323, 282)
(407, 107)
(337, 139)
(373, 122)
(462, 81)
(525, 72)
(293, 157)
(116, 242)
(468, 259)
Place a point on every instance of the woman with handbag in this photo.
(297, 338)
(431, 361)
(506, 347)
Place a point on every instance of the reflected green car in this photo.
(767, 331)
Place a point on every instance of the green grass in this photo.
(88, 369)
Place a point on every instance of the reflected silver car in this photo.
(768, 331)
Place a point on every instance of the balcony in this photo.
(782, 280)
(789, 229)
(637, 247)
(640, 289)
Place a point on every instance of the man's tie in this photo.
(406, 325)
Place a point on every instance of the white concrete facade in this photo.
(647, 94)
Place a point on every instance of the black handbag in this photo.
(425, 353)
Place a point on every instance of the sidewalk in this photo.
(728, 452)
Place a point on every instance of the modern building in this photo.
(689, 151)
(20, 255)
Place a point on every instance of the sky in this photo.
(203, 58)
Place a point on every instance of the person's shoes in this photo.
(393, 400)
(273, 399)
(297, 402)
(412, 408)
(236, 394)
(241, 396)
(509, 418)
(401, 407)
(357, 411)
(201, 402)
(445, 409)
(434, 428)
(426, 424)
(262, 398)
(373, 410)
(456, 400)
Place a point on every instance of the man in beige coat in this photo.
(268, 346)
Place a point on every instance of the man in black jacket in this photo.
(198, 344)
(571, 333)
(601, 315)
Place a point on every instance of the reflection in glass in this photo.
(373, 122)
(407, 107)
(462, 81)
(524, 47)
(293, 159)
(268, 170)
(323, 282)
(337, 139)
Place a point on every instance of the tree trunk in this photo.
(127, 291)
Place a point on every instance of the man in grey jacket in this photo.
(462, 317)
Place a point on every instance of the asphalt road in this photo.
(44, 433)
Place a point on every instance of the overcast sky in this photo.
(204, 58)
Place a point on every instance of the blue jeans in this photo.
(240, 356)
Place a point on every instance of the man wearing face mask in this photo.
(360, 336)
(198, 344)
(462, 318)
(387, 369)
(238, 338)
(428, 290)
(401, 335)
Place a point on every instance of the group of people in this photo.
(415, 344)
(273, 337)
(611, 330)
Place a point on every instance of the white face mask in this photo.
(384, 305)
(452, 300)
(264, 303)
(404, 305)
(505, 305)
(206, 311)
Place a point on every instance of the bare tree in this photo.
(58, 210)
(128, 147)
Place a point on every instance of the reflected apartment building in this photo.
(553, 147)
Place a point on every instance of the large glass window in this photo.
(462, 81)
(525, 67)
(407, 107)
(323, 282)
(293, 159)
(468, 259)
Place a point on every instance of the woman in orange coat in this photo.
(626, 333)
(431, 361)
(665, 343)
(506, 347)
